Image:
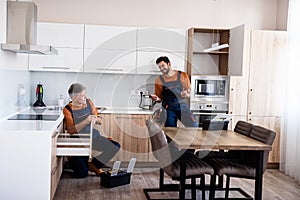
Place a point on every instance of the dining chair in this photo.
(243, 167)
(170, 163)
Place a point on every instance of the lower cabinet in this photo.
(131, 132)
(56, 171)
(56, 162)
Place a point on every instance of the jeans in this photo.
(182, 112)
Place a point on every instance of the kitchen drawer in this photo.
(72, 146)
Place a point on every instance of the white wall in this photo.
(256, 14)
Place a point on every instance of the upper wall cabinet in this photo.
(110, 37)
(155, 42)
(110, 49)
(60, 35)
(161, 39)
(215, 51)
(112, 61)
(68, 39)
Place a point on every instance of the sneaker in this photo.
(93, 168)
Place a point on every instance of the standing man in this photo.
(79, 114)
(171, 88)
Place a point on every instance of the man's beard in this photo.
(165, 71)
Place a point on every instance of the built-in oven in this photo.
(204, 112)
(209, 98)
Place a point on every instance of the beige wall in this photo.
(256, 14)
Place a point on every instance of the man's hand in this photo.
(185, 93)
(91, 118)
(155, 97)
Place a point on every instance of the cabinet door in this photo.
(161, 39)
(110, 37)
(131, 132)
(146, 61)
(109, 61)
(236, 50)
(273, 123)
(68, 60)
(267, 63)
(60, 34)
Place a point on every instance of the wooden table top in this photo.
(196, 138)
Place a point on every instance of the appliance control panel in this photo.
(209, 106)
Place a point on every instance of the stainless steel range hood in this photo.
(21, 32)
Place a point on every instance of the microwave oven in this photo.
(209, 88)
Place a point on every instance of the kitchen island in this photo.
(30, 168)
(27, 155)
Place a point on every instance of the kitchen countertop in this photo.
(39, 126)
(31, 126)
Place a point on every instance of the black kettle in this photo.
(39, 91)
(146, 102)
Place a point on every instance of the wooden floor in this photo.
(276, 186)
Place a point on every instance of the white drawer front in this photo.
(70, 146)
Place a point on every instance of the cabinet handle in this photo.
(55, 67)
(54, 170)
(251, 89)
(250, 113)
(113, 69)
(124, 117)
(231, 89)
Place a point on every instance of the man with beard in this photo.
(172, 88)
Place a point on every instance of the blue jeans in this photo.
(182, 112)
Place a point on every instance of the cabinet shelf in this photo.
(213, 52)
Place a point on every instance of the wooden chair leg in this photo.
(227, 187)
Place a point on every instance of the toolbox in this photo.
(122, 178)
(116, 177)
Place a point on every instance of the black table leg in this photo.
(259, 176)
(182, 177)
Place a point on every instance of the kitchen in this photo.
(113, 90)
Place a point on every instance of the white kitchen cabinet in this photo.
(203, 59)
(67, 60)
(110, 49)
(257, 94)
(110, 37)
(3, 9)
(146, 61)
(60, 34)
(110, 61)
(68, 39)
(161, 39)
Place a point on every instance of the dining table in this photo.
(195, 138)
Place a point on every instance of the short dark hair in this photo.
(163, 58)
(75, 88)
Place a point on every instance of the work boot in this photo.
(93, 168)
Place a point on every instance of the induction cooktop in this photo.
(34, 117)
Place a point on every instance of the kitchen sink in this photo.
(34, 117)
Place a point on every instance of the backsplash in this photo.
(113, 90)
(15, 89)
